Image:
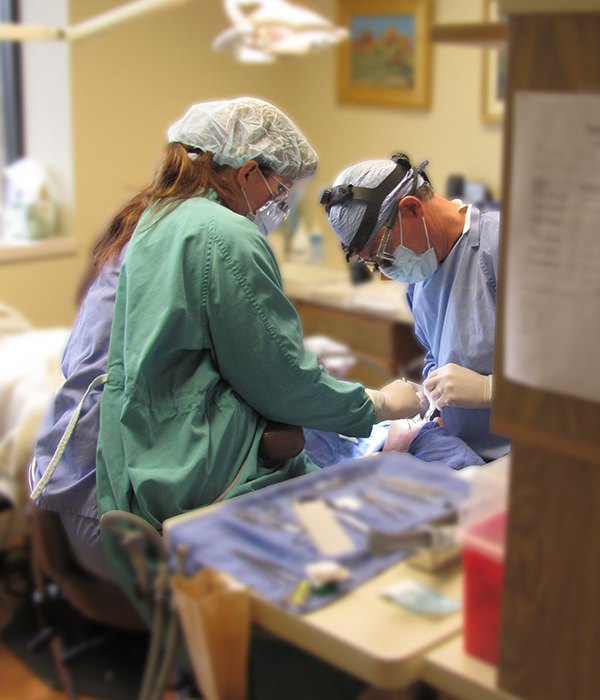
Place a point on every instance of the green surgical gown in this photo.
(205, 347)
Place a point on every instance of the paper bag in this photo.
(215, 618)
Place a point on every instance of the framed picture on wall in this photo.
(387, 58)
(494, 73)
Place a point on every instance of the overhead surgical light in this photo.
(263, 30)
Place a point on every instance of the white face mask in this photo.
(408, 266)
(273, 212)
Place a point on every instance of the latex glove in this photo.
(395, 400)
(423, 398)
(453, 385)
(335, 357)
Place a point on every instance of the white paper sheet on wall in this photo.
(552, 309)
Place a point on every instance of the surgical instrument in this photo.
(352, 520)
(436, 537)
(385, 506)
(344, 513)
(266, 566)
(405, 487)
(269, 517)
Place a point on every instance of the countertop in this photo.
(333, 288)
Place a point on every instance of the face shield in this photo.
(277, 208)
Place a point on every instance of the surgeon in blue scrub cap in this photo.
(387, 214)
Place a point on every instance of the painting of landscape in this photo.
(383, 51)
(386, 60)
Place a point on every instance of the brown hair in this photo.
(177, 178)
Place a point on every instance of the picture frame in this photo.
(493, 92)
(386, 60)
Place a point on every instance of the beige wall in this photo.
(130, 83)
(451, 135)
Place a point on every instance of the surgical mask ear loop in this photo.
(426, 233)
(424, 227)
(247, 202)
(401, 229)
(266, 182)
(246, 196)
(281, 184)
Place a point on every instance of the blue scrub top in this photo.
(72, 488)
(455, 321)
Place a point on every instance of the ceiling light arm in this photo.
(89, 27)
(117, 16)
(29, 32)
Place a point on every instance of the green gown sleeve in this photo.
(258, 342)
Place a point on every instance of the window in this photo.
(35, 121)
(11, 114)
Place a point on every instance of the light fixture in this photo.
(263, 30)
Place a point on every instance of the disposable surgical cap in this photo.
(243, 129)
(345, 218)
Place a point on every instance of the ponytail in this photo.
(179, 177)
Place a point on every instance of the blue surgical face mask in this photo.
(408, 266)
(273, 212)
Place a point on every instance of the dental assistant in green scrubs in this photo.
(205, 347)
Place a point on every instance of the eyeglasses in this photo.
(282, 192)
(279, 200)
(282, 188)
(280, 197)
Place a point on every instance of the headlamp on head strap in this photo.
(374, 198)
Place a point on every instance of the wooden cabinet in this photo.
(550, 613)
(386, 348)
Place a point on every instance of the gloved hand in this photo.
(423, 398)
(453, 385)
(395, 400)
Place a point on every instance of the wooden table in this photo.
(362, 633)
(449, 668)
(366, 635)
